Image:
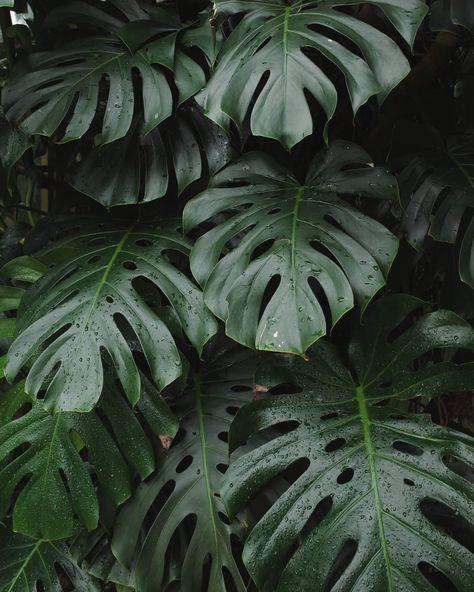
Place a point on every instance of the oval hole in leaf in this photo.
(446, 519)
(345, 476)
(240, 388)
(130, 265)
(436, 578)
(459, 467)
(144, 242)
(223, 518)
(407, 448)
(335, 445)
(341, 563)
(329, 416)
(184, 464)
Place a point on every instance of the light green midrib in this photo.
(25, 564)
(203, 444)
(366, 426)
(296, 212)
(105, 276)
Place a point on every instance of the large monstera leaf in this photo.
(42, 458)
(185, 490)
(438, 189)
(274, 56)
(137, 168)
(26, 564)
(306, 236)
(60, 91)
(357, 516)
(90, 302)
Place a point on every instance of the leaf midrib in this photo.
(25, 564)
(203, 445)
(369, 446)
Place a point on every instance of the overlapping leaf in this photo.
(26, 564)
(60, 91)
(137, 168)
(193, 467)
(357, 517)
(89, 302)
(305, 236)
(41, 458)
(437, 186)
(274, 57)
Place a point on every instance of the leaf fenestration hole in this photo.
(328, 416)
(343, 559)
(240, 388)
(345, 476)
(407, 448)
(130, 265)
(224, 436)
(223, 518)
(436, 578)
(335, 445)
(144, 242)
(184, 464)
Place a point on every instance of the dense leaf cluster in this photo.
(236, 296)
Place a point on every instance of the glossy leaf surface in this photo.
(269, 58)
(138, 167)
(42, 461)
(26, 564)
(49, 95)
(193, 467)
(306, 236)
(357, 516)
(90, 301)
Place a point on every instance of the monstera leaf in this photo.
(305, 236)
(137, 168)
(274, 56)
(193, 467)
(26, 564)
(438, 189)
(46, 450)
(357, 516)
(89, 302)
(61, 90)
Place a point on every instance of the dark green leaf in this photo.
(275, 229)
(357, 518)
(45, 450)
(136, 168)
(48, 94)
(26, 564)
(273, 39)
(194, 466)
(437, 186)
(90, 301)
(24, 269)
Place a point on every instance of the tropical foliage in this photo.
(236, 296)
